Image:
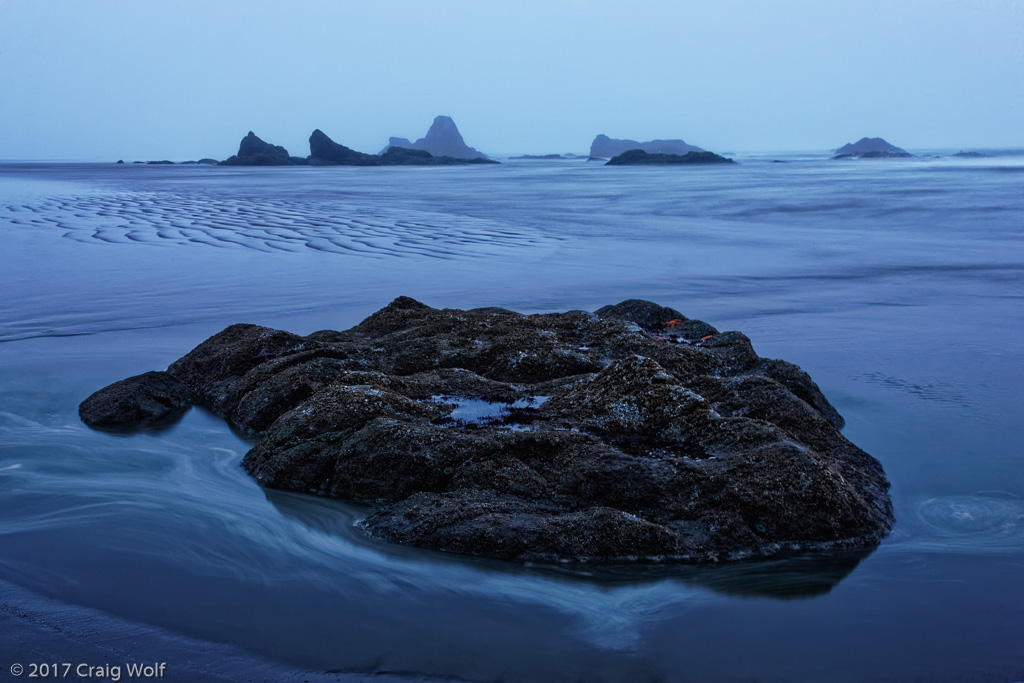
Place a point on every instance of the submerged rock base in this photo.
(629, 434)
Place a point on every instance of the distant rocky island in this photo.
(253, 151)
(203, 162)
(544, 157)
(443, 139)
(871, 148)
(604, 147)
(323, 151)
(638, 157)
(443, 145)
(631, 434)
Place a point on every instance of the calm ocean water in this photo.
(898, 285)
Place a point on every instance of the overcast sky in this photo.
(135, 79)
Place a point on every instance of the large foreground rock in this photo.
(140, 400)
(629, 434)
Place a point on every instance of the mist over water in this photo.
(897, 285)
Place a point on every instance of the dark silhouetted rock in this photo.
(162, 162)
(638, 157)
(443, 139)
(253, 151)
(138, 400)
(542, 157)
(325, 151)
(400, 156)
(629, 434)
(972, 155)
(120, 161)
(870, 148)
(604, 147)
(404, 143)
(406, 155)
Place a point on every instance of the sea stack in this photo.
(253, 151)
(324, 151)
(871, 148)
(442, 140)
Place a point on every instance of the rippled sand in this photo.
(271, 224)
